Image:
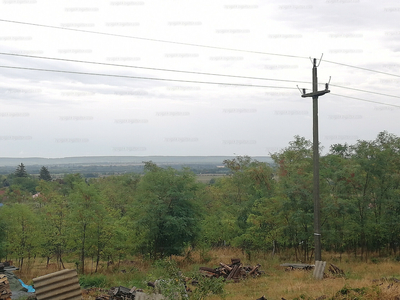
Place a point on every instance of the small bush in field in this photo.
(88, 281)
(207, 286)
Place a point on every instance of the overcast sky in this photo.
(49, 114)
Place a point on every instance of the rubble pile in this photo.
(5, 291)
(235, 271)
(119, 293)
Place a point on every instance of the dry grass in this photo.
(363, 280)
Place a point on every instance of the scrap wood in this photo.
(335, 270)
(225, 266)
(254, 269)
(119, 293)
(234, 271)
(235, 261)
(5, 291)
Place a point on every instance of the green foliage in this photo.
(3, 236)
(21, 231)
(257, 207)
(20, 171)
(170, 282)
(85, 224)
(231, 200)
(351, 293)
(25, 184)
(206, 287)
(166, 212)
(88, 281)
(294, 189)
(44, 174)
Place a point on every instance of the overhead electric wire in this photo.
(360, 90)
(151, 40)
(193, 45)
(155, 69)
(360, 99)
(147, 78)
(186, 81)
(360, 68)
(191, 72)
(188, 72)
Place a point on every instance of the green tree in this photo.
(3, 236)
(84, 204)
(21, 231)
(20, 171)
(119, 191)
(44, 174)
(362, 183)
(294, 189)
(165, 213)
(54, 211)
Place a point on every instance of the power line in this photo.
(186, 81)
(193, 45)
(149, 68)
(187, 72)
(360, 99)
(152, 40)
(360, 90)
(148, 78)
(360, 68)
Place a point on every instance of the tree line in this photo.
(258, 207)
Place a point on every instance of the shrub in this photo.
(88, 281)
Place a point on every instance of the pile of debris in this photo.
(120, 293)
(235, 271)
(335, 270)
(5, 291)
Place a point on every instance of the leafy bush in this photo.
(88, 281)
(207, 286)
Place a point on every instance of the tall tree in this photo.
(21, 230)
(44, 174)
(20, 171)
(294, 188)
(166, 213)
(55, 211)
(84, 204)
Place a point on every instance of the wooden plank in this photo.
(254, 269)
(235, 268)
(4, 279)
(225, 266)
(236, 273)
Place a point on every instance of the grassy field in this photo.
(362, 280)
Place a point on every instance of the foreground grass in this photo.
(362, 280)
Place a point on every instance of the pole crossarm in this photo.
(315, 94)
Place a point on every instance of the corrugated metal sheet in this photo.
(61, 285)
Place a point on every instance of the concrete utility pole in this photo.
(315, 93)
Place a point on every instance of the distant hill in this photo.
(113, 160)
(94, 166)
